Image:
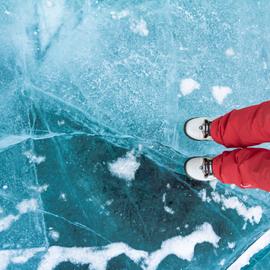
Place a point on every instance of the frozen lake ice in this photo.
(94, 95)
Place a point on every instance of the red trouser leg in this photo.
(244, 127)
(246, 168)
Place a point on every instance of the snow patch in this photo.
(213, 184)
(6, 222)
(252, 214)
(34, 158)
(167, 209)
(203, 195)
(222, 262)
(40, 189)
(182, 247)
(120, 15)
(230, 52)
(139, 27)
(54, 235)
(27, 206)
(125, 167)
(63, 197)
(220, 93)
(23, 207)
(231, 245)
(187, 86)
(17, 256)
(7, 12)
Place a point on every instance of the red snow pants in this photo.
(244, 167)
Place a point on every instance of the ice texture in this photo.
(93, 98)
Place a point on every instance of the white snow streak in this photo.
(244, 259)
(252, 215)
(17, 256)
(98, 257)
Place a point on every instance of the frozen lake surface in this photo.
(93, 98)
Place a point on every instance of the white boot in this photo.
(200, 168)
(198, 129)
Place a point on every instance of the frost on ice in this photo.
(119, 15)
(125, 167)
(33, 158)
(139, 27)
(187, 86)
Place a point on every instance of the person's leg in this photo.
(243, 127)
(246, 168)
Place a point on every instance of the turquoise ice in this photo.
(93, 98)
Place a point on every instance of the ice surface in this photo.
(94, 95)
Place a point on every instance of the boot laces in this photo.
(205, 128)
(207, 167)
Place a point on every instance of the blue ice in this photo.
(93, 98)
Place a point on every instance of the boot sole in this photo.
(185, 164)
(191, 176)
(185, 131)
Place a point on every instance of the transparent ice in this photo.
(92, 108)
